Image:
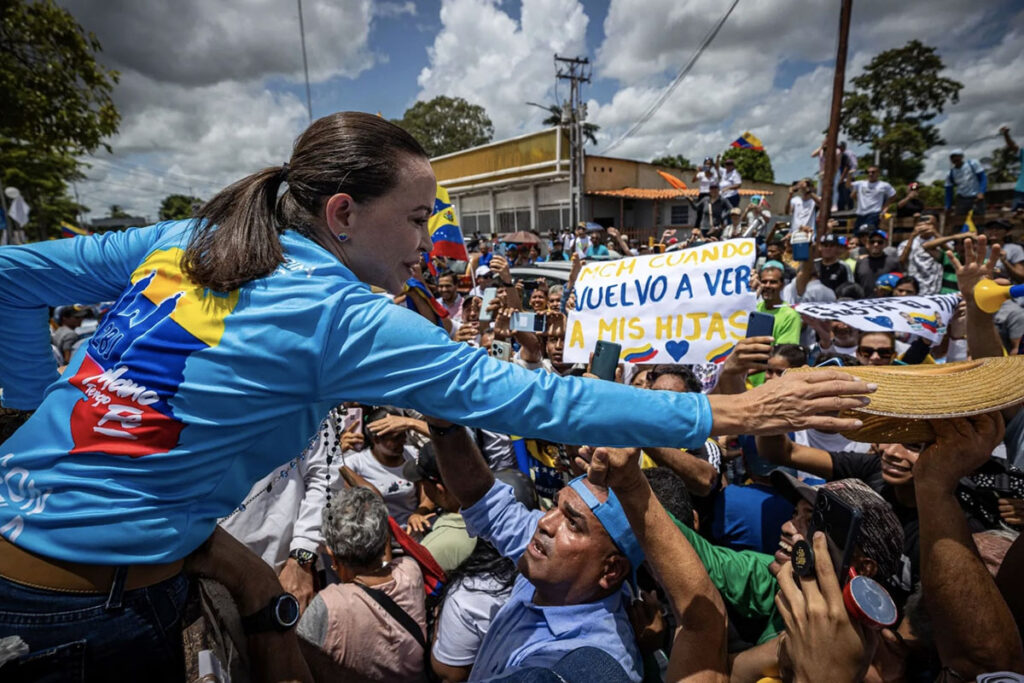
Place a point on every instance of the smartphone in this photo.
(841, 525)
(489, 294)
(606, 359)
(528, 322)
(501, 350)
(760, 325)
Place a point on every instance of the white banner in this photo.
(926, 316)
(688, 306)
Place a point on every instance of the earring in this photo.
(342, 236)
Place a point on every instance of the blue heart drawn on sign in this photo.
(677, 349)
(881, 321)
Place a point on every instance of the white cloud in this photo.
(199, 103)
(731, 90)
(394, 9)
(483, 55)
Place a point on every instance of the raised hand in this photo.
(975, 267)
(749, 355)
(612, 467)
(962, 445)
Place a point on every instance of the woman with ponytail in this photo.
(231, 337)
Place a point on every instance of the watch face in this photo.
(286, 611)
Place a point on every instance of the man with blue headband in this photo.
(574, 562)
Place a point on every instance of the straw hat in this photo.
(910, 395)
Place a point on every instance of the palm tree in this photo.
(555, 119)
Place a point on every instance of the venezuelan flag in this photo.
(925, 320)
(720, 354)
(969, 223)
(748, 141)
(639, 354)
(444, 229)
(72, 230)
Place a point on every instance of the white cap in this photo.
(483, 270)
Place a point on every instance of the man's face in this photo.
(568, 557)
(773, 252)
(581, 231)
(876, 348)
(873, 173)
(905, 289)
(994, 235)
(446, 288)
(927, 226)
(485, 247)
(829, 251)
(843, 334)
(898, 462)
(852, 241)
(554, 300)
(771, 284)
(957, 159)
(471, 310)
(792, 531)
(713, 191)
(876, 245)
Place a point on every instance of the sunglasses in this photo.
(882, 242)
(868, 351)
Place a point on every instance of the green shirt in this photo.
(743, 580)
(448, 541)
(786, 330)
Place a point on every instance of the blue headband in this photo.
(613, 519)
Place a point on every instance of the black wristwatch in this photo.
(305, 558)
(281, 614)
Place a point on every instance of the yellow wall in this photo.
(495, 158)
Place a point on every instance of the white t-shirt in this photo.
(465, 619)
(804, 211)
(833, 443)
(730, 178)
(871, 196)
(705, 178)
(399, 493)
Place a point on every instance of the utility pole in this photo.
(305, 63)
(832, 138)
(577, 71)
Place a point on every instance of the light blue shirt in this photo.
(184, 398)
(524, 634)
(965, 179)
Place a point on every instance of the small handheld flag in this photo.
(444, 229)
(672, 180)
(72, 230)
(748, 141)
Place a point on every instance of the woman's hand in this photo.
(389, 424)
(419, 524)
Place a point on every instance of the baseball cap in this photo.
(956, 152)
(773, 264)
(713, 185)
(879, 233)
(728, 162)
(613, 518)
(888, 281)
(881, 536)
(424, 467)
(735, 212)
(791, 488)
(483, 271)
(830, 238)
(997, 224)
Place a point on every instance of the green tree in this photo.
(555, 119)
(55, 94)
(1005, 166)
(674, 161)
(892, 104)
(42, 176)
(753, 165)
(176, 207)
(447, 124)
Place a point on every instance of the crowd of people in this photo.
(474, 507)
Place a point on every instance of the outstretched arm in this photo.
(974, 629)
(699, 652)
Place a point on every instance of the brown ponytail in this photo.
(235, 235)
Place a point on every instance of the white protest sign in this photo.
(926, 316)
(688, 306)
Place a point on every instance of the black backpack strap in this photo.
(397, 613)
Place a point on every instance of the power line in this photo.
(678, 79)
(124, 164)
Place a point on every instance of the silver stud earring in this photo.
(342, 236)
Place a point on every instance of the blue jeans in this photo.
(870, 219)
(125, 636)
(584, 665)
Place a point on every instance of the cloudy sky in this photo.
(211, 91)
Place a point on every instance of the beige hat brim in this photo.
(910, 395)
